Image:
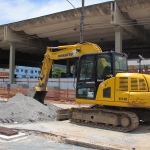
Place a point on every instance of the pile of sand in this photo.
(22, 109)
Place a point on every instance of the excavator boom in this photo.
(64, 52)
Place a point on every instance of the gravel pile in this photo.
(23, 109)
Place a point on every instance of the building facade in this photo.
(136, 66)
(34, 72)
(27, 72)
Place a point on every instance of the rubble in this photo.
(23, 109)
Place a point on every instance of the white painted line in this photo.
(13, 137)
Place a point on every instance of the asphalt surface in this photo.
(33, 142)
(135, 140)
(53, 135)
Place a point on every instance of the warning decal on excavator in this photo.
(90, 94)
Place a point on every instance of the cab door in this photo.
(85, 88)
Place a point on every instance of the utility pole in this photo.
(82, 22)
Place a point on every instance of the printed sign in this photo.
(8, 87)
(90, 94)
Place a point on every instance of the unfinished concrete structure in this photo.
(120, 25)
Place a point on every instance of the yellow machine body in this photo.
(126, 90)
(119, 99)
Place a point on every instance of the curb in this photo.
(65, 140)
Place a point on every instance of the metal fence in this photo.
(55, 94)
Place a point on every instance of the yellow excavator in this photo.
(119, 99)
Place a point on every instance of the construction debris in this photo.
(7, 131)
(23, 109)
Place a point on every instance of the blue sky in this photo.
(17, 10)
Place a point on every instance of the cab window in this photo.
(103, 66)
(87, 68)
(120, 63)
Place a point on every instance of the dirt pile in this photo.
(23, 109)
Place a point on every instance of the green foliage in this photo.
(56, 73)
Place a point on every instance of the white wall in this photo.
(136, 62)
(4, 70)
(61, 83)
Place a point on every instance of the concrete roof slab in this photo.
(64, 27)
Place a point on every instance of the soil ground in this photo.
(135, 140)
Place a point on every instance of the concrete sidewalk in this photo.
(135, 140)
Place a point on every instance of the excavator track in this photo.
(104, 118)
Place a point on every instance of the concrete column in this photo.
(118, 19)
(118, 39)
(67, 66)
(11, 62)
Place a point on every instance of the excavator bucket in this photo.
(38, 95)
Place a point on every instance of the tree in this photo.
(56, 73)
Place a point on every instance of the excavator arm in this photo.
(68, 51)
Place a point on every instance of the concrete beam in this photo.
(117, 19)
(131, 5)
(12, 36)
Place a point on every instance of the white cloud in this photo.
(17, 10)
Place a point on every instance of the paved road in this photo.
(37, 143)
(135, 140)
(138, 139)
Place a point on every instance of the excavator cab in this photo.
(94, 69)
